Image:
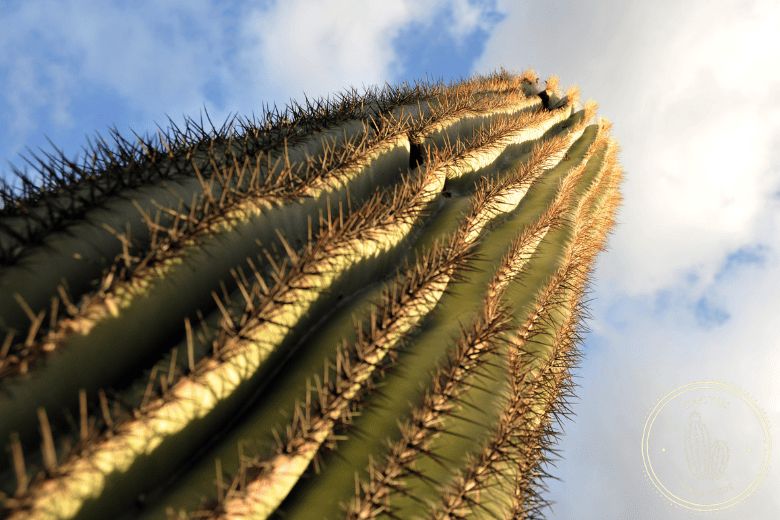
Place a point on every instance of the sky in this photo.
(684, 303)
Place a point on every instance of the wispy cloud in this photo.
(319, 47)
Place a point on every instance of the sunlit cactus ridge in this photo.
(368, 306)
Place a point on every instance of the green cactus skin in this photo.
(362, 308)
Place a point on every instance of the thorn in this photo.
(26, 308)
(84, 430)
(290, 252)
(49, 454)
(220, 489)
(170, 153)
(19, 470)
(149, 388)
(223, 310)
(55, 305)
(172, 367)
(190, 344)
(243, 284)
(104, 408)
(6, 345)
(242, 466)
(72, 309)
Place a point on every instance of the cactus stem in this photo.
(466, 162)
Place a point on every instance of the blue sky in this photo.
(689, 287)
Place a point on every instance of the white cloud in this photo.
(320, 47)
(703, 151)
(692, 96)
(468, 17)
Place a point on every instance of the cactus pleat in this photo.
(408, 269)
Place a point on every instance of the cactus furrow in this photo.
(573, 178)
(368, 306)
(417, 297)
(437, 478)
(425, 423)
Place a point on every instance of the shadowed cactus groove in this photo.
(366, 307)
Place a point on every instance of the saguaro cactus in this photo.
(360, 308)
